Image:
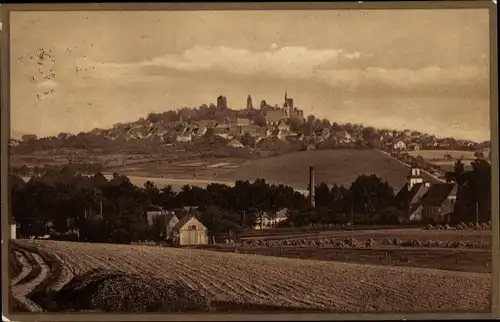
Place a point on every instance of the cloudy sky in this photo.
(426, 70)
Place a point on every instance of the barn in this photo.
(189, 231)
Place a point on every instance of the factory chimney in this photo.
(311, 186)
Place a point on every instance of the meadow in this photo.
(437, 157)
(340, 167)
(277, 169)
(440, 154)
(199, 171)
(71, 276)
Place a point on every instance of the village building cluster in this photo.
(414, 141)
(276, 122)
(426, 201)
(273, 122)
(184, 231)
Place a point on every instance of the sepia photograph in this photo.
(249, 161)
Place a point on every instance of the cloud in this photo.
(354, 55)
(333, 67)
(283, 62)
(405, 78)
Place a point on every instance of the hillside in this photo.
(157, 130)
(331, 166)
(243, 279)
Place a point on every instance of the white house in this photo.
(269, 221)
(189, 231)
(399, 145)
(200, 131)
(185, 137)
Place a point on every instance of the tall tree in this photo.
(369, 194)
(260, 120)
(153, 193)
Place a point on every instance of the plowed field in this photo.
(260, 280)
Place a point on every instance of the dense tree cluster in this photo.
(474, 191)
(113, 210)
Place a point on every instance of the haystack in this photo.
(107, 291)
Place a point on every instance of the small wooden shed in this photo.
(190, 231)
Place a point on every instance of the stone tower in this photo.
(249, 103)
(221, 102)
(288, 106)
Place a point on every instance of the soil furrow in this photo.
(21, 291)
(25, 268)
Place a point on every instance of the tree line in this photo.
(102, 210)
(114, 210)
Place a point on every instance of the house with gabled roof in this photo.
(425, 201)
(283, 127)
(408, 198)
(189, 231)
(399, 145)
(438, 203)
(235, 144)
(168, 219)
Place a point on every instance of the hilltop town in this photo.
(252, 127)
